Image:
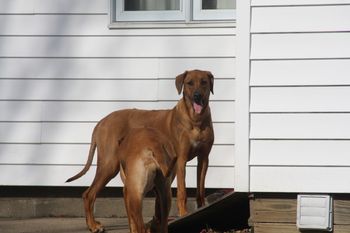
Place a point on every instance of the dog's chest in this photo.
(197, 137)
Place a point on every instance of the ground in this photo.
(59, 225)
(67, 225)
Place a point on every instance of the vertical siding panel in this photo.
(243, 92)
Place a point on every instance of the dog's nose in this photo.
(197, 97)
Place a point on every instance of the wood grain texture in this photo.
(342, 210)
(273, 210)
(275, 228)
(276, 213)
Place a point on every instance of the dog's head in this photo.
(196, 85)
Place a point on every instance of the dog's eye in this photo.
(190, 83)
(204, 82)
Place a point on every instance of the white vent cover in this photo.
(315, 212)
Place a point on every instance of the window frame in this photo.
(190, 14)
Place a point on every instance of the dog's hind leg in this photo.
(139, 179)
(133, 203)
(106, 170)
(163, 201)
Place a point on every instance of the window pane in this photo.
(218, 4)
(151, 5)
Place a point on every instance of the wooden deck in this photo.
(277, 213)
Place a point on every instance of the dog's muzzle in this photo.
(197, 102)
(197, 97)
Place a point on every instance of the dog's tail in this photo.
(89, 161)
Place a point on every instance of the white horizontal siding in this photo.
(300, 46)
(300, 72)
(58, 78)
(71, 6)
(123, 90)
(301, 19)
(53, 6)
(76, 132)
(56, 175)
(227, 179)
(76, 154)
(224, 89)
(300, 99)
(47, 175)
(100, 68)
(300, 126)
(220, 67)
(300, 152)
(130, 46)
(300, 179)
(78, 111)
(297, 2)
(17, 6)
(20, 132)
(88, 24)
(78, 89)
(299, 91)
(70, 68)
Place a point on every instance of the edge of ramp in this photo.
(227, 213)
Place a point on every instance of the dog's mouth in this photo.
(198, 102)
(197, 107)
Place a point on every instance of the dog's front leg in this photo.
(202, 168)
(181, 186)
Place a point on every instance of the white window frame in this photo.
(161, 16)
(220, 14)
(190, 12)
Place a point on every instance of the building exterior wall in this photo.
(298, 96)
(62, 69)
(292, 133)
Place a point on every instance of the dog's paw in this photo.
(153, 226)
(99, 230)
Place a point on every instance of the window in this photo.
(174, 10)
(214, 9)
(149, 10)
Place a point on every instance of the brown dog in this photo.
(188, 126)
(147, 159)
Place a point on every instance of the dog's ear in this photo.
(211, 80)
(179, 82)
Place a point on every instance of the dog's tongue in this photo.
(197, 108)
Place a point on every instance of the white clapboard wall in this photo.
(62, 70)
(299, 96)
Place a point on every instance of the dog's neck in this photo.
(191, 120)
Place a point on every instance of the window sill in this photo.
(172, 25)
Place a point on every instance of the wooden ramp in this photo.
(227, 213)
